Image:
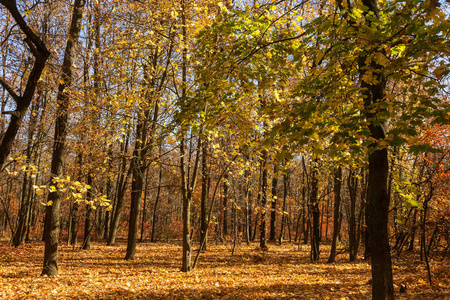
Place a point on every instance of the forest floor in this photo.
(280, 273)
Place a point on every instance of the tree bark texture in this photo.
(52, 212)
(336, 212)
(377, 195)
(41, 54)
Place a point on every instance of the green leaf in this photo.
(416, 149)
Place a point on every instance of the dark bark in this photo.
(327, 216)
(24, 216)
(52, 212)
(264, 186)
(413, 231)
(273, 211)
(138, 167)
(120, 195)
(41, 54)
(305, 218)
(224, 206)
(88, 223)
(352, 184)
(144, 207)
(336, 212)
(373, 93)
(314, 204)
(378, 210)
(155, 208)
(205, 193)
(211, 206)
(247, 199)
(423, 245)
(188, 179)
(137, 184)
(284, 212)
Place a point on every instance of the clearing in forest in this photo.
(280, 273)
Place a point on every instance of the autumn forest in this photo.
(204, 149)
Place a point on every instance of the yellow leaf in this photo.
(319, 56)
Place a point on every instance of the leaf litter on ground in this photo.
(282, 272)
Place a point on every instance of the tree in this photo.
(41, 54)
(52, 212)
(336, 212)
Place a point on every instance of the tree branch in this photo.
(10, 90)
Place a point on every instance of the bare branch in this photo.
(10, 90)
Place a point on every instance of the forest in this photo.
(204, 149)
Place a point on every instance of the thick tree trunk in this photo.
(52, 212)
(378, 210)
(138, 167)
(136, 193)
(186, 259)
(373, 93)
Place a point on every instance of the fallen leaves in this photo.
(283, 273)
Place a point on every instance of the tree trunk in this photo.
(120, 195)
(52, 212)
(273, 211)
(284, 212)
(155, 208)
(41, 54)
(314, 203)
(336, 212)
(88, 223)
(264, 186)
(373, 93)
(204, 223)
(25, 203)
(137, 184)
(413, 231)
(75, 217)
(224, 206)
(352, 184)
(109, 181)
(144, 206)
(188, 181)
(247, 200)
